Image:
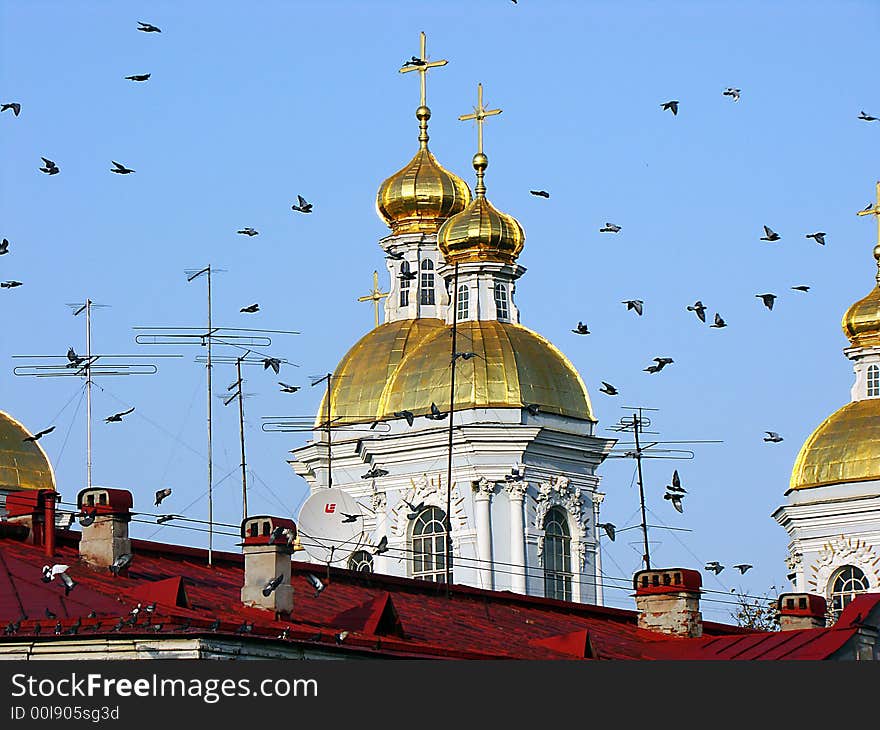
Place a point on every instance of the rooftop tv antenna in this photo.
(87, 367)
(637, 423)
(242, 338)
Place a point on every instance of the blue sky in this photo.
(249, 104)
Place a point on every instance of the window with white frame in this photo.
(429, 545)
(873, 381)
(462, 302)
(557, 555)
(846, 584)
(427, 283)
(502, 311)
(404, 284)
(361, 561)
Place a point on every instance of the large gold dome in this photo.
(844, 448)
(404, 365)
(23, 464)
(419, 197)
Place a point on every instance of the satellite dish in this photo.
(326, 528)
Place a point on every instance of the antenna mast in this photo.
(454, 303)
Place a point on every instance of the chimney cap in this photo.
(105, 501)
(257, 529)
(802, 604)
(30, 502)
(667, 580)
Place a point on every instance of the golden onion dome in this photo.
(404, 365)
(861, 323)
(23, 464)
(845, 448)
(481, 232)
(419, 197)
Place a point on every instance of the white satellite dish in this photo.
(331, 526)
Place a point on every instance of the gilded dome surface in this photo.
(861, 323)
(419, 197)
(844, 448)
(23, 464)
(481, 232)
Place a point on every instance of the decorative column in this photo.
(483, 491)
(597, 562)
(516, 494)
(378, 502)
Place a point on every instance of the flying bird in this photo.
(540, 193)
(138, 77)
(374, 473)
(415, 62)
(743, 567)
(714, 566)
(11, 284)
(719, 321)
(581, 329)
(675, 499)
(398, 256)
(634, 304)
(161, 494)
(819, 237)
(867, 117)
(414, 509)
(676, 484)
(4, 246)
(272, 585)
(609, 529)
(699, 309)
(14, 105)
(121, 563)
(464, 355)
(285, 388)
(87, 516)
(801, 287)
(75, 360)
(382, 547)
(250, 309)
(671, 106)
(608, 389)
(610, 228)
(50, 573)
(147, 28)
(407, 275)
(436, 414)
(770, 234)
(302, 206)
(772, 437)
(662, 362)
(117, 417)
(248, 231)
(768, 299)
(272, 362)
(349, 518)
(408, 415)
(37, 436)
(120, 169)
(49, 167)
(162, 519)
(533, 409)
(731, 92)
(316, 582)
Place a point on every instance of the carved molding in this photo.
(558, 491)
(432, 492)
(842, 551)
(483, 489)
(517, 490)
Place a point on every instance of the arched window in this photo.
(429, 545)
(462, 302)
(848, 582)
(557, 555)
(501, 309)
(361, 561)
(873, 381)
(427, 284)
(404, 284)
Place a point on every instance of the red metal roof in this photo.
(384, 615)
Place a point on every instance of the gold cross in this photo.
(875, 211)
(375, 296)
(423, 66)
(480, 113)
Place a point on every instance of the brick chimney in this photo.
(34, 509)
(668, 601)
(106, 538)
(801, 611)
(265, 559)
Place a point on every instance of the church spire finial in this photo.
(875, 211)
(481, 162)
(421, 64)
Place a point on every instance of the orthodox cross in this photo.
(375, 296)
(422, 64)
(480, 114)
